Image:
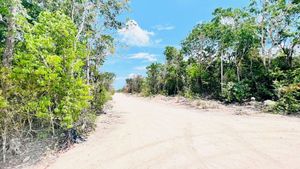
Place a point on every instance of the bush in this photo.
(236, 92)
(289, 101)
(101, 96)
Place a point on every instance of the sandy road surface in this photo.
(144, 134)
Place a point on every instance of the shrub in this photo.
(289, 101)
(236, 92)
(101, 96)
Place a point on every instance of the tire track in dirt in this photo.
(152, 135)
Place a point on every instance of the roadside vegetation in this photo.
(50, 84)
(240, 55)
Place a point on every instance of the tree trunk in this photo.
(11, 33)
(52, 122)
(290, 61)
(81, 26)
(238, 74)
(289, 52)
(238, 71)
(73, 10)
(263, 38)
(222, 74)
(88, 69)
(4, 140)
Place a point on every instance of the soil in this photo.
(159, 133)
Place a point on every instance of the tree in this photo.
(154, 78)
(134, 84)
(49, 71)
(278, 23)
(238, 54)
(11, 19)
(174, 71)
(51, 52)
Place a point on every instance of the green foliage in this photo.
(288, 89)
(3, 29)
(3, 102)
(53, 84)
(154, 81)
(289, 102)
(101, 97)
(102, 90)
(236, 92)
(134, 84)
(51, 52)
(175, 71)
(235, 57)
(50, 67)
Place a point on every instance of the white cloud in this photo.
(140, 68)
(133, 35)
(157, 41)
(144, 56)
(164, 27)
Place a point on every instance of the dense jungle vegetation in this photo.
(50, 83)
(240, 54)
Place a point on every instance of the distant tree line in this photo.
(239, 54)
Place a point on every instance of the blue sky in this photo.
(154, 24)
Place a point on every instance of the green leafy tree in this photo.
(48, 71)
(134, 84)
(154, 79)
(175, 68)
(239, 54)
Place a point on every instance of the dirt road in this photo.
(146, 134)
